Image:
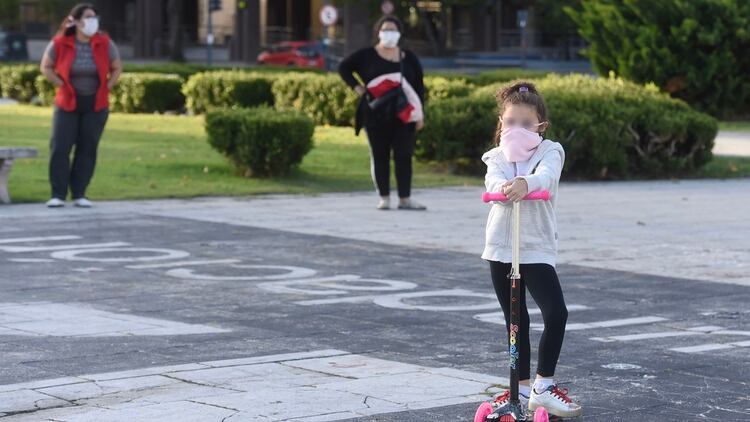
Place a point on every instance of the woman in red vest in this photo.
(84, 64)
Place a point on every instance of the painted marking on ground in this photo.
(63, 248)
(498, 318)
(37, 239)
(74, 320)
(154, 254)
(324, 385)
(692, 331)
(30, 260)
(183, 264)
(614, 323)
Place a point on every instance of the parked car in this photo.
(293, 53)
(13, 46)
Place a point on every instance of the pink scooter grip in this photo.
(540, 195)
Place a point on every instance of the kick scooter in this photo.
(512, 411)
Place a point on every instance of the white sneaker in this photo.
(556, 402)
(55, 203)
(409, 204)
(502, 398)
(83, 203)
(384, 204)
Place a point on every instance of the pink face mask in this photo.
(518, 144)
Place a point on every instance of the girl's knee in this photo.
(556, 318)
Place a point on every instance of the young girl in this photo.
(522, 162)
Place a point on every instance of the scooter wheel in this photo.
(541, 415)
(482, 412)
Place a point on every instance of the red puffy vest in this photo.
(65, 53)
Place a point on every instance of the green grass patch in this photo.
(724, 167)
(165, 156)
(735, 126)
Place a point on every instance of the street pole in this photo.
(522, 17)
(210, 35)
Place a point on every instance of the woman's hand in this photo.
(47, 68)
(420, 125)
(360, 90)
(515, 189)
(115, 69)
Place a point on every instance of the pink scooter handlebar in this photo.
(540, 195)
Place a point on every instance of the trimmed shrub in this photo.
(186, 70)
(147, 93)
(260, 141)
(697, 50)
(134, 93)
(613, 128)
(439, 87)
(610, 128)
(505, 75)
(45, 90)
(17, 81)
(457, 131)
(325, 98)
(207, 90)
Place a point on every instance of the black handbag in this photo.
(390, 104)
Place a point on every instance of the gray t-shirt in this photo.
(83, 74)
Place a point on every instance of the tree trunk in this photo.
(434, 43)
(174, 9)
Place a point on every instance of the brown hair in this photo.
(67, 27)
(387, 18)
(519, 93)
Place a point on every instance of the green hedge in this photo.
(505, 75)
(697, 50)
(17, 81)
(207, 90)
(457, 131)
(329, 101)
(44, 90)
(133, 93)
(610, 128)
(186, 70)
(260, 141)
(325, 98)
(147, 93)
(440, 87)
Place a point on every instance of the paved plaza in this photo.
(320, 308)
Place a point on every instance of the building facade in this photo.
(145, 28)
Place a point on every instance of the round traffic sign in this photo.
(328, 15)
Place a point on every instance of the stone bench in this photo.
(7, 155)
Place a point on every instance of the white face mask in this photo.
(90, 26)
(389, 39)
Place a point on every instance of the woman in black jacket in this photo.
(391, 107)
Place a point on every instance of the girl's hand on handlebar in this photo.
(515, 189)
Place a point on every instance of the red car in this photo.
(293, 53)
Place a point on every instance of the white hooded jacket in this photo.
(538, 220)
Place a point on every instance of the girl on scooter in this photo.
(522, 162)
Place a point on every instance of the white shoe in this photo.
(384, 204)
(503, 398)
(409, 204)
(55, 203)
(556, 402)
(83, 203)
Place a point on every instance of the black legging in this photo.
(544, 286)
(83, 128)
(399, 137)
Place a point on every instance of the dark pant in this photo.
(544, 286)
(385, 137)
(82, 128)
